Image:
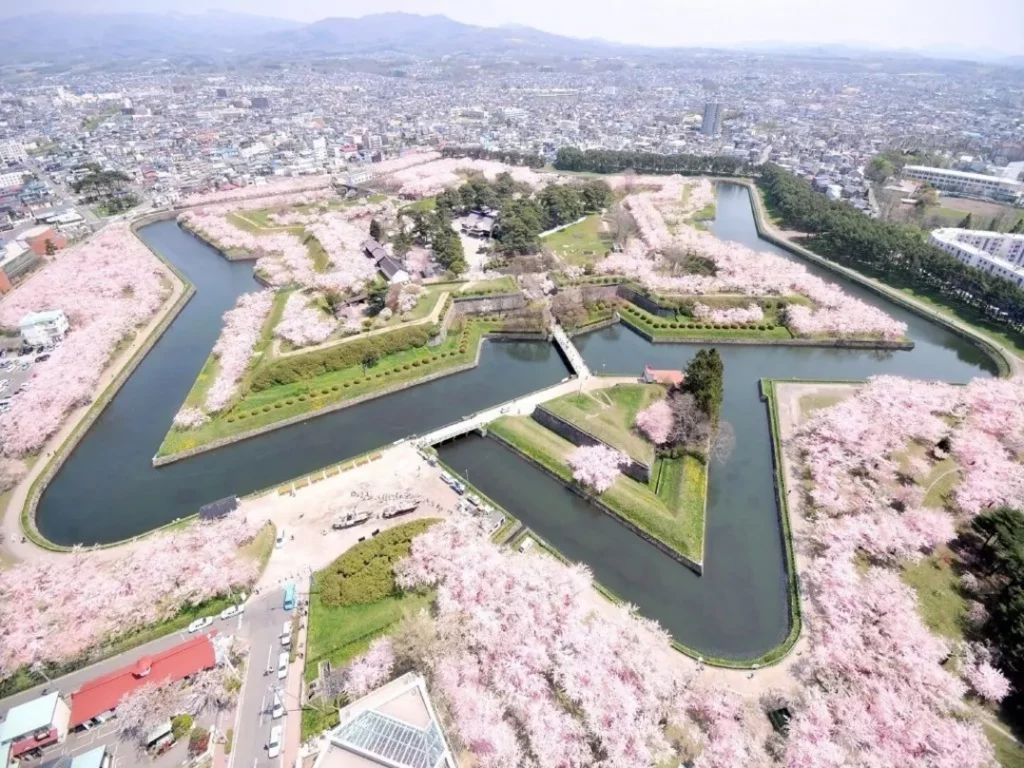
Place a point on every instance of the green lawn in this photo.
(423, 206)
(581, 244)
(679, 524)
(1009, 753)
(259, 409)
(609, 414)
(498, 285)
(811, 403)
(942, 607)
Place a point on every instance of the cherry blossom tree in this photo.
(242, 328)
(302, 323)
(103, 598)
(190, 418)
(596, 466)
(656, 422)
(371, 670)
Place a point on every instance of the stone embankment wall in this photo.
(635, 469)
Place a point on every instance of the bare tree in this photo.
(567, 307)
(691, 426)
(414, 642)
(621, 224)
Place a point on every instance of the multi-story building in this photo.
(996, 253)
(39, 328)
(965, 183)
(712, 124)
(12, 152)
(11, 180)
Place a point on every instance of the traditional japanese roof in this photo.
(29, 717)
(103, 693)
(663, 376)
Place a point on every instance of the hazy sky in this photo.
(982, 25)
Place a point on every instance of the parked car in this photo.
(280, 539)
(231, 610)
(199, 624)
(274, 745)
(286, 634)
(278, 707)
(282, 665)
(42, 358)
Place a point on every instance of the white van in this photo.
(282, 665)
(274, 745)
(286, 634)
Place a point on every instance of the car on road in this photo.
(458, 487)
(274, 745)
(199, 624)
(278, 709)
(231, 610)
(282, 665)
(280, 539)
(286, 634)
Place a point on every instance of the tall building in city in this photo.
(12, 152)
(997, 253)
(712, 125)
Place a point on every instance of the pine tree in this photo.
(965, 222)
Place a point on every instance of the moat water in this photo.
(108, 489)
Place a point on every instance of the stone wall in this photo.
(694, 565)
(483, 305)
(635, 469)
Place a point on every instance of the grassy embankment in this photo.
(353, 601)
(257, 409)
(581, 244)
(682, 328)
(671, 508)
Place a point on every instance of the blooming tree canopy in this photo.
(596, 466)
(656, 421)
(242, 328)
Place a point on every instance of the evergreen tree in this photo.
(1017, 228)
(705, 381)
(965, 222)
(375, 231)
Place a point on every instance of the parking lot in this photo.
(13, 371)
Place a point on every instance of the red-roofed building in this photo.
(102, 694)
(655, 376)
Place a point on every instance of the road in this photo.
(265, 616)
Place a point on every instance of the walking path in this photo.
(1015, 362)
(573, 355)
(433, 317)
(12, 545)
(522, 406)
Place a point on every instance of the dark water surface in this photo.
(108, 490)
(738, 608)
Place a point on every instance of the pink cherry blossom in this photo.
(290, 186)
(243, 326)
(656, 421)
(104, 598)
(190, 418)
(371, 670)
(596, 466)
(752, 313)
(987, 682)
(302, 323)
(125, 287)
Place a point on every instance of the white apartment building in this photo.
(11, 179)
(964, 183)
(12, 152)
(38, 328)
(996, 253)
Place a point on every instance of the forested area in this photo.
(617, 161)
(893, 254)
(509, 157)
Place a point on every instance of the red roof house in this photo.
(177, 663)
(653, 375)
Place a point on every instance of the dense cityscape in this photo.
(368, 404)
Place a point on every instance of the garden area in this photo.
(354, 601)
(580, 244)
(275, 390)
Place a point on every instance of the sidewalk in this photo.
(293, 689)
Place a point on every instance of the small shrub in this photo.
(241, 416)
(230, 419)
(397, 369)
(357, 381)
(433, 358)
(347, 385)
(406, 367)
(334, 388)
(277, 404)
(771, 326)
(673, 325)
(302, 398)
(386, 373)
(762, 328)
(289, 401)
(325, 391)
(180, 725)
(415, 363)
(266, 409)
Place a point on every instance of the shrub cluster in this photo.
(365, 573)
(319, 362)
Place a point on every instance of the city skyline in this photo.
(911, 26)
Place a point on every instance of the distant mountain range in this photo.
(63, 38)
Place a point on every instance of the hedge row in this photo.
(313, 364)
(365, 573)
(647, 320)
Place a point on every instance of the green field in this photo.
(269, 406)
(942, 607)
(499, 285)
(674, 514)
(581, 244)
(609, 414)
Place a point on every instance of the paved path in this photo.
(522, 406)
(12, 545)
(1015, 361)
(433, 317)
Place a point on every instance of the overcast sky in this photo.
(982, 25)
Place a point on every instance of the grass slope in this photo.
(609, 414)
(581, 244)
(677, 518)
